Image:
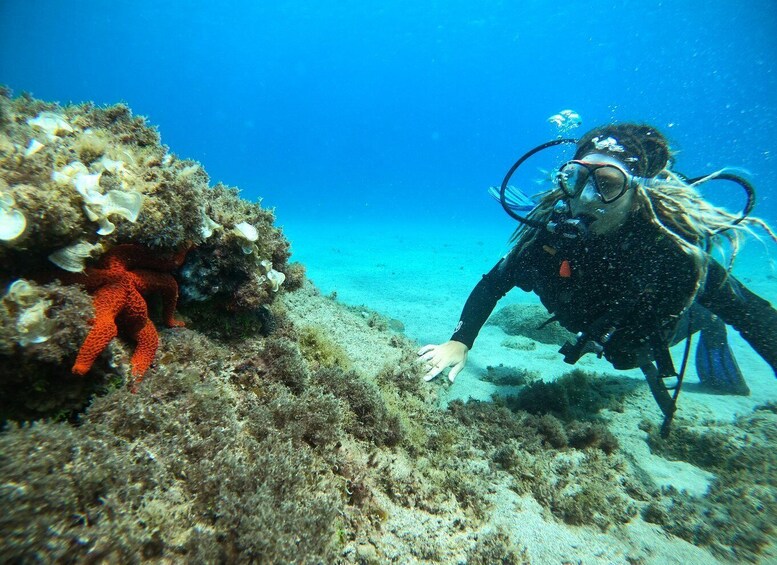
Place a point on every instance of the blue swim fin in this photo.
(715, 362)
(515, 198)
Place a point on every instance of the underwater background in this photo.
(406, 111)
(288, 421)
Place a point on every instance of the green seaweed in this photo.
(496, 548)
(318, 349)
(577, 394)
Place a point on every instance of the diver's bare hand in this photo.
(439, 357)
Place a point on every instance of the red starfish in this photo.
(118, 283)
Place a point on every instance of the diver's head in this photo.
(609, 165)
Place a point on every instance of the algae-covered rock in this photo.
(35, 378)
(509, 376)
(531, 321)
(577, 394)
(738, 514)
(85, 179)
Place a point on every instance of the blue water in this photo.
(383, 110)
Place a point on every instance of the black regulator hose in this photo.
(745, 184)
(503, 189)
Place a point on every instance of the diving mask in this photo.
(608, 180)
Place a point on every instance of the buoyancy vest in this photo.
(631, 287)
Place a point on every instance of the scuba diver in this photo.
(619, 252)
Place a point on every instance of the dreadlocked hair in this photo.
(678, 210)
(640, 147)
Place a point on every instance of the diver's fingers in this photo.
(436, 369)
(455, 371)
(426, 348)
(433, 372)
(432, 356)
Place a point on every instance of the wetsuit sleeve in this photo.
(483, 298)
(752, 316)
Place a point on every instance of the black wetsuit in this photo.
(636, 281)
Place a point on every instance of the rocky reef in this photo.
(80, 182)
(275, 425)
